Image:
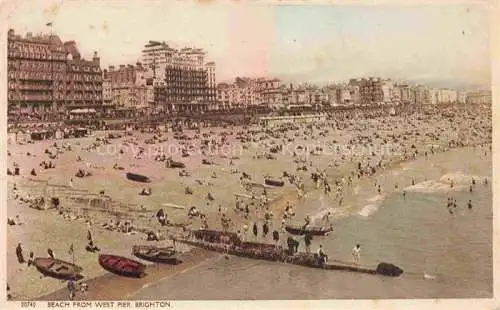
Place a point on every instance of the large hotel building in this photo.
(182, 80)
(48, 78)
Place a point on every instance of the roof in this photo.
(71, 48)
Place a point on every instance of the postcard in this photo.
(247, 154)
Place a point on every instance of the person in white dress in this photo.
(355, 254)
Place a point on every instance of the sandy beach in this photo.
(352, 156)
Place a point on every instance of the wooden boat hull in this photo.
(57, 268)
(122, 265)
(297, 230)
(138, 177)
(156, 254)
(176, 164)
(278, 183)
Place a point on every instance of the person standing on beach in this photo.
(322, 256)
(307, 241)
(30, 259)
(469, 204)
(19, 254)
(71, 289)
(51, 253)
(356, 254)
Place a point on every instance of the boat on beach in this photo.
(57, 268)
(122, 265)
(272, 182)
(166, 255)
(138, 177)
(311, 230)
(175, 164)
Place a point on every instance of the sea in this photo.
(443, 254)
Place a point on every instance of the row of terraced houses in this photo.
(48, 79)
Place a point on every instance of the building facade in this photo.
(129, 89)
(48, 78)
(240, 94)
(375, 90)
(403, 93)
(270, 92)
(182, 80)
(479, 97)
(421, 94)
(461, 96)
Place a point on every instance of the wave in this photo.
(372, 206)
(335, 213)
(431, 186)
(375, 198)
(368, 210)
(460, 178)
(461, 181)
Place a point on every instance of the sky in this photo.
(445, 45)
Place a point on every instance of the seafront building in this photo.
(48, 79)
(479, 97)
(129, 93)
(182, 80)
(376, 91)
(240, 94)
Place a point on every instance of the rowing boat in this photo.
(57, 268)
(301, 230)
(122, 265)
(138, 177)
(165, 255)
(274, 182)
